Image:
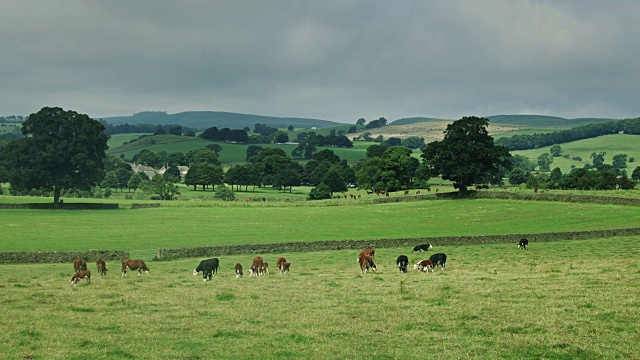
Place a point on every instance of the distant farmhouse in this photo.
(150, 172)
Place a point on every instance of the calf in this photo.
(366, 263)
(265, 267)
(102, 266)
(424, 265)
(83, 274)
(283, 265)
(208, 268)
(79, 264)
(523, 244)
(439, 258)
(402, 262)
(238, 270)
(256, 266)
(423, 247)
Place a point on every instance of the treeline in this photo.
(525, 142)
(147, 128)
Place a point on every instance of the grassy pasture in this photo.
(249, 223)
(557, 300)
(611, 144)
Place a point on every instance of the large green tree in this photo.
(466, 155)
(61, 150)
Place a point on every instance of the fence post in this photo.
(158, 254)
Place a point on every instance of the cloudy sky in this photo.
(338, 60)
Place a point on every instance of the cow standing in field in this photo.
(208, 268)
(366, 262)
(439, 258)
(402, 262)
(368, 251)
(134, 265)
(523, 244)
(238, 270)
(283, 265)
(83, 274)
(256, 266)
(79, 264)
(424, 265)
(265, 267)
(102, 266)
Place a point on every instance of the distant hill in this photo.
(413, 120)
(206, 119)
(545, 121)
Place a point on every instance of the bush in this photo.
(225, 193)
(320, 192)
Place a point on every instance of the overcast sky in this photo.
(337, 60)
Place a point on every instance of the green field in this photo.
(611, 144)
(525, 132)
(557, 300)
(249, 223)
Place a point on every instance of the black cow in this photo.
(208, 268)
(402, 262)
(523, 244)
(423, 247)
(439, 258)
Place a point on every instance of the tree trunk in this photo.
(56, 197)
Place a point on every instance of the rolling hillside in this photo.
(545, 121)
(206, 119)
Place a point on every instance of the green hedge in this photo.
(208, 251)
(143, 205)
(24, 257)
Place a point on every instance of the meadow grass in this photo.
(557, 300)
(252, 223)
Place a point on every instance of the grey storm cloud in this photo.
(337, 60)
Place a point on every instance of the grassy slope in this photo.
(552, 301)
(241, 223)
(611, 144)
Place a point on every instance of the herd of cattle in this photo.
(209, 267)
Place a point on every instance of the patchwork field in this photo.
(557, 300)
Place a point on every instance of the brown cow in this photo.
(84, 274)
(134, 265)
(283, 265)
(406, 192)
(256, 266)
(102, 266)
(366, 263)
(79, 264)
(265, 268)
(238, 270)
(368, 251)
(424, 265)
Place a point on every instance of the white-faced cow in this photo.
(423, 247)
(134, 265)
(238, 270)
(79, 264)
(439, 258)
(208, 267)
(424, 265)
(402, 262)
(102, 266)
(366, 262)
(523, 244)
(283, 265)
(256, 266)
(83, 274)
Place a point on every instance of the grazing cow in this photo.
(439, 258)
(406, 192)
(368, 251)
(402, 262)
(79, 264)
(208, 267)
(134, 265)
(366, 263)
(83, 274)
(265, 267)
(283, 265)
(102, 266)
(238, 270)
(423, 247)
(256, 266)
(424, 265)
(523, 244)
